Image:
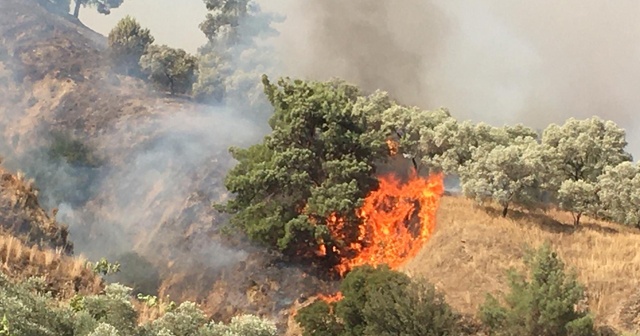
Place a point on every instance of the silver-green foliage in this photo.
(31, 312)
(187, 319)
(619, 192)
(578, 197)
(506, 174)
(104, 329)
(114, 307)
(582, 149)
(244, 325)
(576, 155)
(28, 310)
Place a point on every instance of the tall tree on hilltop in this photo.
(128, 41)
(222, 23)
(102, 6)
(232, 62)
(318, 160)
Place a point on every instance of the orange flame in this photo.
(393, 146)
(330, 298)
(397, 220)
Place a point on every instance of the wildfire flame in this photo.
(331, 298)
(393, 147)
(397, 220)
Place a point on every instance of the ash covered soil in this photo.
(160, 165)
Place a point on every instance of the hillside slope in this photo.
(32, 243)
(22, 216)
(162, 161)
(472, 249)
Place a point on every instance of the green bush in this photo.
(186, 320)
(74, 151)
(543, 305)
(380, 301)
(244, 325)
(114, 307)
(28, 310)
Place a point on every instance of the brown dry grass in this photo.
(65, 275)
(472, 249)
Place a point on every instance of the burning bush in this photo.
(312, 188)
(317, 164)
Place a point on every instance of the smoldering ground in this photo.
(500, 62)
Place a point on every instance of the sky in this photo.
(497, 61)
(170, 23)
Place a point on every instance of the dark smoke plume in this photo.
(501, 62)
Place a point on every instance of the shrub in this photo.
(27, 311)
(543, 305)
(169, 68)
(104, 329)
(380, 301)
(245, 325)
(74, 151)
(186, 320)
(114, 308)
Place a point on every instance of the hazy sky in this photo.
(498, 61)
(172, 22)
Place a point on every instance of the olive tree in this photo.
(459, 140)
(619, 192)
(410, 127)
(244, 325)
(506, 174)
(579, 151)
(582, 149)
(578, 197)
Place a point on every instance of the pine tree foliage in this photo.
(543, 304)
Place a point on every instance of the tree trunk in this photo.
(576, 218)
(505, 210)
(76, 10)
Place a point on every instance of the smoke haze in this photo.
(164, 166)
(501, 62)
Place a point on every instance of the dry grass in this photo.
(147, 314)
(66, 275)
(472, 249)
